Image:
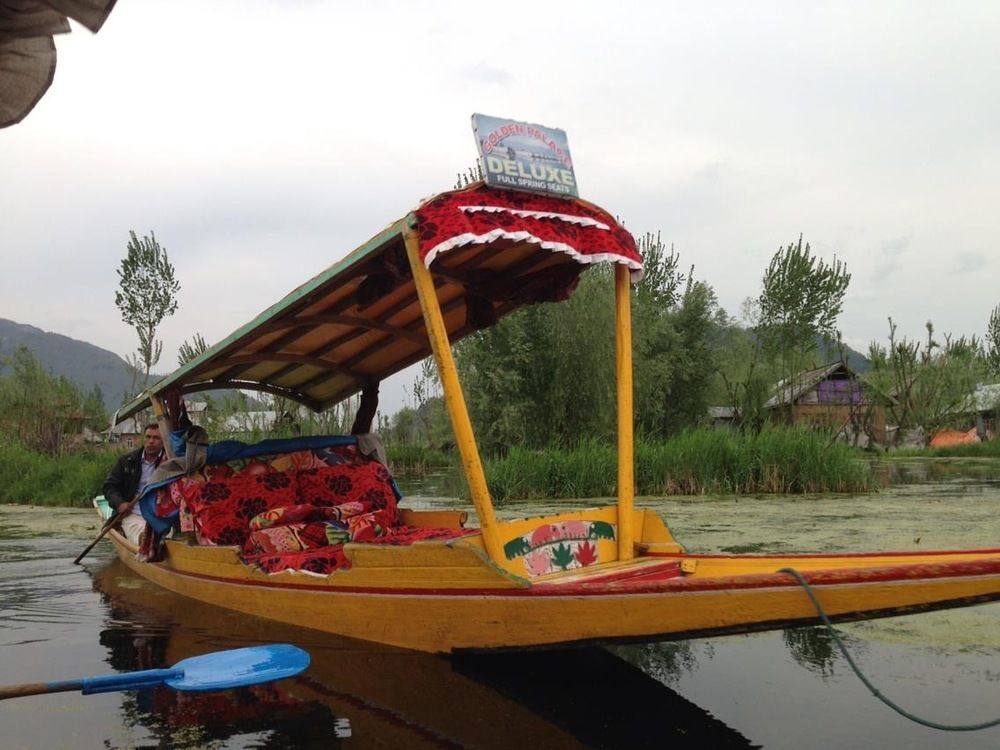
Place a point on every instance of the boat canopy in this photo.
(489, 251)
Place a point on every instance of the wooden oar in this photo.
(108, 525)
(220, 670)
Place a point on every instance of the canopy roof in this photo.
(27, 52)
(490, 252)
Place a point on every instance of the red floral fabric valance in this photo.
(480, 215)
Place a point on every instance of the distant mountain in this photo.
(854, 359)
(84, 364)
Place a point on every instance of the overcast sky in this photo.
(262, 140)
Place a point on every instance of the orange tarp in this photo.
(953, 437)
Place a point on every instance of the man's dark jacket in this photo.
(123, 481)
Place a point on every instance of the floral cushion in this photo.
(295, 511)
(319, 561)
(334, 485)
(223, 507)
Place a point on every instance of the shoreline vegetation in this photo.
(776, 460)
(696, 462)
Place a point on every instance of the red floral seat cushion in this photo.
(367, 483)
(319, 561)
(223, 507)
(295, 511)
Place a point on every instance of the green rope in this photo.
(874, 691)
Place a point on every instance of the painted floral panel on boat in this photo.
(564, 545)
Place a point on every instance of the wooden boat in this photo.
(459, 262)
(396, 697)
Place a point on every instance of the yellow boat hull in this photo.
(447, 596)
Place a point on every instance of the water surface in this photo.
(787, 689)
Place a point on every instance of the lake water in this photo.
(787, 689)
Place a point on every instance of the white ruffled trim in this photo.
(583, 221)
(468, 238)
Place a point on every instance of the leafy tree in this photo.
(993, 343)
(40, 410)
(801, 299)
(147, 293)
(677, 320)
(470, 175)
(928, 386)
(191, 349)
(425, 420)
(745, 375)
(697, 321)
(546, 373)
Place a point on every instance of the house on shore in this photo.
(986, 408)
(129, 431)
(832, 397)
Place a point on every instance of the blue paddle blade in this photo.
(238, 668)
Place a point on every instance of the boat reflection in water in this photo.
(380, 696)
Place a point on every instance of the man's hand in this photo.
(123, 508)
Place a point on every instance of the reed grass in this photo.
(73, 479)
(777, 460)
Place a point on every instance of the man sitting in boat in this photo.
(131, 472)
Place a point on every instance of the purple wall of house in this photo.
(838, 392)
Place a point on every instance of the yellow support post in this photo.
(166, 427)
(453, 398)
(626, 449)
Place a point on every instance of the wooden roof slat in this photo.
(345, 320)
(318, 379)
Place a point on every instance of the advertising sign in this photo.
(521, 156)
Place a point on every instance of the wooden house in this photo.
(983, 407)
(831, 397)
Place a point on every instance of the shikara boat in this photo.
(396, 697)
(458, 263)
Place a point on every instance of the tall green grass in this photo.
(778, 460)
(72, 479)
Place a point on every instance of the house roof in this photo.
(721, 412)
(788, 391)
(986, 397)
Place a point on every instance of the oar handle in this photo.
(90, 685)
(37, 688)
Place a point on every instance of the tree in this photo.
(147, 293)
(675, 339)
(746, 376)
(191, 349)
(993, 343)
(801, 299)
(928, 386)
(40, 410)
(546, 374)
